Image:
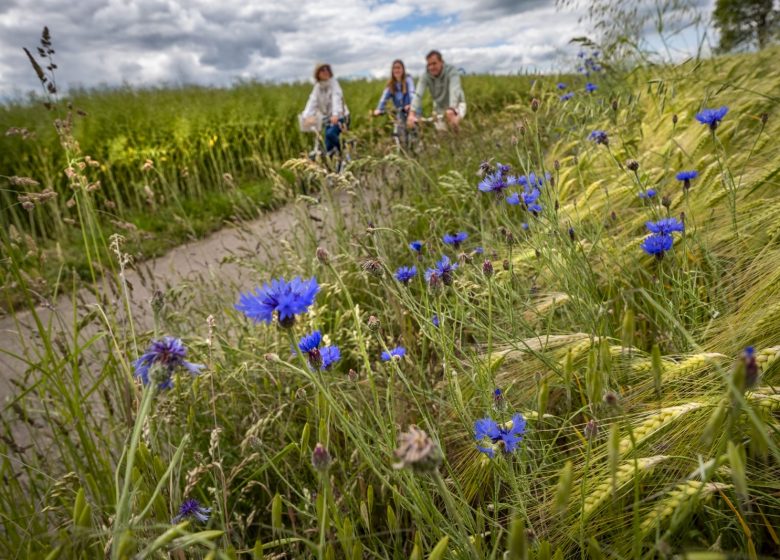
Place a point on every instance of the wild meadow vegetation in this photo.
(579, 358)
(167, 165)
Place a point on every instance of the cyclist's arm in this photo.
(337, 107)
(409, 90)
(383, 100)
(456, 91)
(418, 95)
(311, 105)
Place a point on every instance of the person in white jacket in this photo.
(327, 100)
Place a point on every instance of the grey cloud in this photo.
(494, 8)
(145, 42)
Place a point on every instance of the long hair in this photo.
(391, 81)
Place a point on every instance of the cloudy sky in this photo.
(147, 42)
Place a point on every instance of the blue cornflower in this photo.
(650, 193)
(435, 321)
(455, 239)
(503, 168)
(169, 354)
(395, 354)
(330, 355)
(751, 366)
(599, 137)
(581, 54)
(712, 117)
(561, 85)
(405, 273)
(686, 177)
(495, 182)
(657, 244)
(567, 96)
(479, 250)
(416, 246)
(532, 180)
(286, 299)
(319, 358)
(500, 435)
(528, 199)
(310, 342)
(665, 226)
(498, 399)
(442, 271)
(590, 88)
(192, 508)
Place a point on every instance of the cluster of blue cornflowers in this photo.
(589, 63)
(528, 198)
(562, 87)
(660, 239)
(492, 436)
(318, 358)
(283, 301)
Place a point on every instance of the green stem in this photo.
(123, 500)
(453, 511)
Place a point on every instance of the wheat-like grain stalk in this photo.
(691, 364)
(766, 402)
(625, 474)
(768, 316)
(678, 497)
(657, 422)
(767, 356)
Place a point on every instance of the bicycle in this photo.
(341, 157)
(405, 139)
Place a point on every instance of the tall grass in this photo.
(169, 165)
(577, 326)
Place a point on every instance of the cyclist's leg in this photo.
(332, 137)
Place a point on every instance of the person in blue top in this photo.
(399, 89)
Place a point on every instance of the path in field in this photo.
(206, 267)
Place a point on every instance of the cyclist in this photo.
(399, 89)
(443, 81)
(326, 103)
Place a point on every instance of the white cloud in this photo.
(146, 42)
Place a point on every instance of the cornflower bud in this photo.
(591, 429)
(320, 458)
(373, 267)
(322, 255)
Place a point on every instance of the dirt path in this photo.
(196, 263)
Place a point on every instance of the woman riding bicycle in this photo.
(399, 89)
(327, 102)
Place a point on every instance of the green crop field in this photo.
(592, 371)
(169, 166)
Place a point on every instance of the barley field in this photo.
(555, 334)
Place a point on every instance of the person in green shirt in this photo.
(443, 81)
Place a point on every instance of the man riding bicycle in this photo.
(443, 81)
